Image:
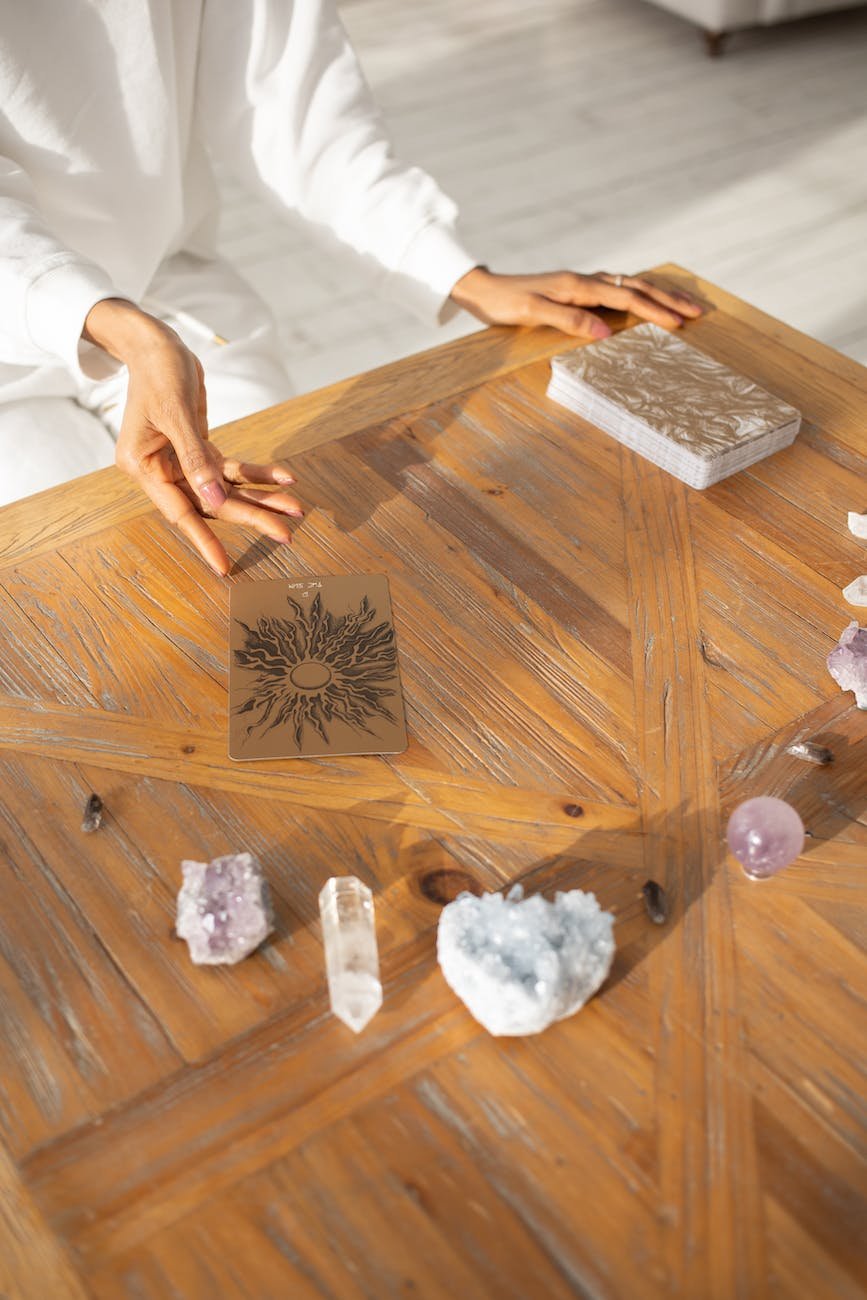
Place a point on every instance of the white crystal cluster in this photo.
(520, 964)
(223, 909)
(856, 592)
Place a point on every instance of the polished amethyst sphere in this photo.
(765, 835)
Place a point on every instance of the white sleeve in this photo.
(283, 102)
(46, 289)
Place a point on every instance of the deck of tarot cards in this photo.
(680, 408)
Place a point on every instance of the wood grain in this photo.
(707, 1164)
(598, 664)
(32, 1262)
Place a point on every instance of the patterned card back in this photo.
(679, 392)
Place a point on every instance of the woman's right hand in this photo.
(164, 443)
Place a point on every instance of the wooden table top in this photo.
(598, 662)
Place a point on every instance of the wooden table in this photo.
(598, 663)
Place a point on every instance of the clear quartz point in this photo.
(351, 955)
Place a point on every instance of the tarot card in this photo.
(313, 669)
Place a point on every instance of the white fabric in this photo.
(112, 117)
(727, 15)
(45, 440)
(48, 440)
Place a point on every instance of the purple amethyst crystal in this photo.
(223, 909)
(847, 662)
(765, 835)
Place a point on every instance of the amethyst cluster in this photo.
(223, 909)
(847, 662)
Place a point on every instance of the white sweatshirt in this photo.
(112, 114)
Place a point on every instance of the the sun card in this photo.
(313, 669)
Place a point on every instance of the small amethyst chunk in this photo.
(847, 662)
(655, 902)
(93, 810)
(223, 909)
(821, 755)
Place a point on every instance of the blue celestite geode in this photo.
(520, 964)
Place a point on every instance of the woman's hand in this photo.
(164, 444)
(559, 298)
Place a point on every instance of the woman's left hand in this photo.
(560, 298)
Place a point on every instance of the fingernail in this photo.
(281, 476)
(296, 514)
(600, 330)
(213, 493)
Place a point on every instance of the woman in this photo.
(118, 320)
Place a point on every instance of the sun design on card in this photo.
(317, 668)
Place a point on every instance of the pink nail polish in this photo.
(213, 494)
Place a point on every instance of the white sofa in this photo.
(717, 17)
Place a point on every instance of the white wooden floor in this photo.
(597, 134)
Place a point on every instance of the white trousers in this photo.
(52, 437)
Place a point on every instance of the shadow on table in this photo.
(832, 800)
(673, 849)
(392, 419)
(395, 458)
(395, 453)
(262, 549)
(675, 853)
